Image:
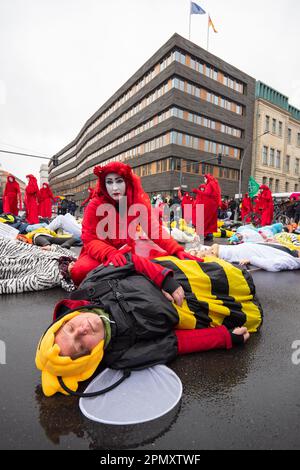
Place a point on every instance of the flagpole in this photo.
(208, 31)
(190, 20)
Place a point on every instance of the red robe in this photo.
(45, 198)
(246, 208)
(187, 203)
(31, 200)
(11, 197)
(211, 198)
(98, 244)
(267, 206)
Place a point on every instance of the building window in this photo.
(280, 129)
(274, 126)
(296, 187)
(264, 180)
(298, 139)
(277, 186)
(278, 159)
(289, 136)
(271, 184)
(297, 165)
(287, 186)
(287, 163)
(265, 155)
(272, 154)
(267, 124)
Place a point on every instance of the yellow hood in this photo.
(53, 365)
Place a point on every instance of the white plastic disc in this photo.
(146, 395)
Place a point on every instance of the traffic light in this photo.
(219, 159)
(55, 160)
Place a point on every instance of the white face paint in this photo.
(115, 186)
(10, 179)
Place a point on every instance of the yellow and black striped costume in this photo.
(216, 293)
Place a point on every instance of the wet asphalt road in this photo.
(246, 398)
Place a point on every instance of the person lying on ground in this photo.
(267, 256)
(26, 268)
(120, 318)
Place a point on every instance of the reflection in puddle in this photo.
(60, 416)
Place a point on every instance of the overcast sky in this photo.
(60, 60)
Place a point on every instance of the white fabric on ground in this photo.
(262, 256)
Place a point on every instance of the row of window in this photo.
(186, 166)
(277, 129)
(172, 137)
(172, 83)
(187, 60)
(173, 112)
(275, 186)
(209, 71)
(272, 158)
(157, 167)
(204, 145)
(206, 95)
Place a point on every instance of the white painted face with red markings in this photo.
(115, 186)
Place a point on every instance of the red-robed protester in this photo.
(211, 198)
(31, 200)
(266, 204)
(91, 192)
(187, 207)
(12, 196)
(46, 198)
(198, 201)
(246, 208)
(107, 233)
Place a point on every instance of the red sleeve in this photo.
(189, 341)
(209, 190)
(153, 271)
(99, 250)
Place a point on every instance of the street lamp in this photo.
(242, 161)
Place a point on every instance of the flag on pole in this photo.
(210, 23)
(253, 187)
(196, 9)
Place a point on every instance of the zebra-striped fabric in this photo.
(27, 268)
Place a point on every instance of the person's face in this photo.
(10, 179)
(80, 335)
(205, 180)
(115, 186)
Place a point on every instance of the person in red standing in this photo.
(12, 196)
(91, 192)
(246, 208)
(266, 205)
(198, 201)
(31, 200)
(187, 205)
(109, 227)
(212, 201)
(46, 198)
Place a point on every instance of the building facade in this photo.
(43, 174)
(169, 122)
(3, 179)
(276, 148)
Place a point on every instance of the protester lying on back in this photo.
(267, 256)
